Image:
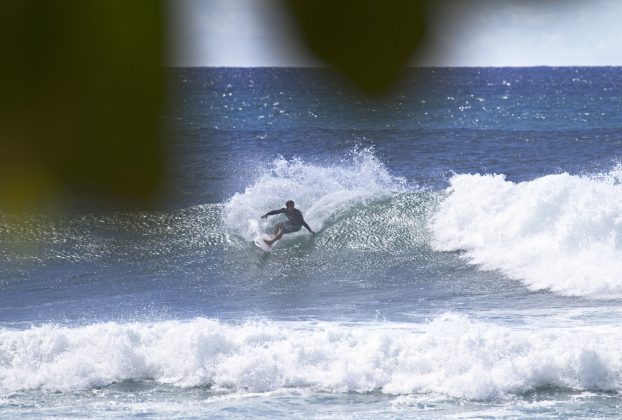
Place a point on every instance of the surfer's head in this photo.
(289, 204)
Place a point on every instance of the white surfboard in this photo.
(259, 241)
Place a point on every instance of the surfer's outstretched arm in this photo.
(272, 213)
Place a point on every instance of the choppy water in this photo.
(467, 262)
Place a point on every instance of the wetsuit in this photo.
(295, 222)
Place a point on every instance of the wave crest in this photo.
(559, 232)
(391, 358)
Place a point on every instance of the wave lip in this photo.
(391, 358)
(559, 232)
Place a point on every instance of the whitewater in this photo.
(560, 232)
(262, 356)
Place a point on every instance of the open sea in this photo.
(468, 261)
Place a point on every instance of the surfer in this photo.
(295, 222)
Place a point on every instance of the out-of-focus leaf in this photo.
(369, 41)
(81, 93)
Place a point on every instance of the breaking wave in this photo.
(559, 232)
(261, 356)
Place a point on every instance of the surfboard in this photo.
(259, 241)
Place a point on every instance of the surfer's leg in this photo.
(277, 228)
(278, 234)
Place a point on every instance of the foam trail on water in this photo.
(321, 192)
(392, 358)
(559, 232)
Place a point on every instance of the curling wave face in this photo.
(559, 232)
(391, 358)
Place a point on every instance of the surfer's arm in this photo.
(307, 227)
(272, 213)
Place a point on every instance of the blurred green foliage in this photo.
(82, 88)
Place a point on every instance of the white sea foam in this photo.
(558, 232)
(451, 355)
(320, 191)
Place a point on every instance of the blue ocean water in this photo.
(468, 261)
